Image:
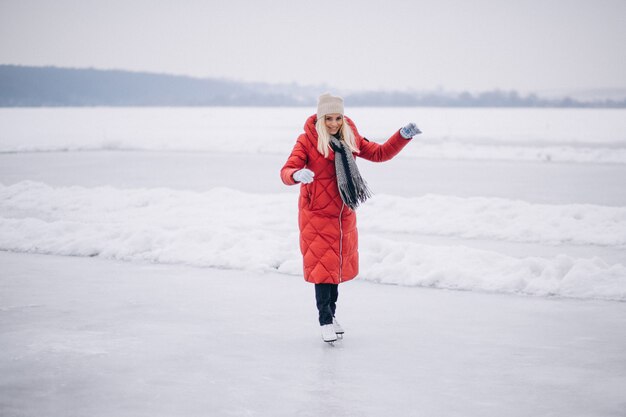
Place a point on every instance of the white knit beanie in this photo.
(328, 104)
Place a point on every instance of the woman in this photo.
(322, 161)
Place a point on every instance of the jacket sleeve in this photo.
(296, 161)
(380, 153)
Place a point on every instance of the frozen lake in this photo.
(531, 181)
(88, 337)
(558, 135)
(563, 158)
(169, 227)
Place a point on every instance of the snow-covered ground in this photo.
(179, 233)
(558, 135)
(232, 229)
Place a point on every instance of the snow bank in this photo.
(226, 209)
(231, 229)
(496, 218)
(427, 149)
(459, 267)
(560, 135)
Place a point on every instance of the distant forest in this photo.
(22, 86)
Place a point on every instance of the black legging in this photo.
(326, 297)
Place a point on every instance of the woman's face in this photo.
(333, 122)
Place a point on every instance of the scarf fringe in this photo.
(352, 187)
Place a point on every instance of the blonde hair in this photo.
(323, 137)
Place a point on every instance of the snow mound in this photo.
(230, 229)
(463, 268)
(496, 218)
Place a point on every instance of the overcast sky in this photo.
(528, 45)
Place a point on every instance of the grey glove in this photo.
(409, 131)
(304, 176)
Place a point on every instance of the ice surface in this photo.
(89, 337)
(534, 182)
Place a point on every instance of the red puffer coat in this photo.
(328, 233)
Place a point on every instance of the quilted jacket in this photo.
(328, 232)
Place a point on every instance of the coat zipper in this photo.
(341, 241)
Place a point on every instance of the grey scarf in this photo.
(352, 188)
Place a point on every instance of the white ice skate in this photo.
(337, 328)
(328, 333)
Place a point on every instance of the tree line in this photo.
(24, 86)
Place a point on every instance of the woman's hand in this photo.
(409, 131)
(304, 176)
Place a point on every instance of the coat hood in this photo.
(311, 132)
